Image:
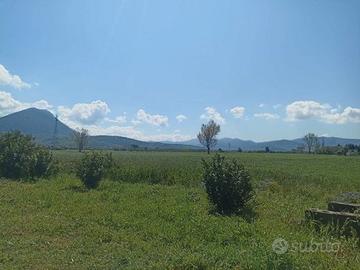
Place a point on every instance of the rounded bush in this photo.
(21, 157)
(227, 184)
(93, 167)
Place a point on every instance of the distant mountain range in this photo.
(234, 144)
(41, 125)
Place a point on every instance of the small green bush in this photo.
(93, 167)
(21, 157)
(227, 184)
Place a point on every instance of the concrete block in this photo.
(342, 220)
(343, 207)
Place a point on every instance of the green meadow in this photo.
(152, 212)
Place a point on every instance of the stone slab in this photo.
(343, 207)
(342, 220)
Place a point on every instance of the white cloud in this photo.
(172, 137)
(92, 117)
(136, 122)
(212, 114)
(306, 109)
(152, 119)
(119, 120)
(301, 110)
(180, 118)
(126, 131)
(267, 116)
(261, 105)
(10, 105)
(134, 133)
(41, 104)
(238, 112)
(6, 78)
(84, 113)
(99, 127)
(277, 106)
(349, 115)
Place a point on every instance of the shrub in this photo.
(21, 157)
(93, 167)
(227, 184)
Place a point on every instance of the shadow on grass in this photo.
(248, 214)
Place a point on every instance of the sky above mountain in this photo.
(157, 70)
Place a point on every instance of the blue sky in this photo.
(156, 70)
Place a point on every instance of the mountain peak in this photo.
(35, 122)
(33, 111)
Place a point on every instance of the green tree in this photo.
(207, 135)
(81, 138)
(93, 167)
(311, 142)
(21, 157)
(227, 184)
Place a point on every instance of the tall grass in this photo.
(152, 213)
(185, 168)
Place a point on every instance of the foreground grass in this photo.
(58, 225)
(131, 223)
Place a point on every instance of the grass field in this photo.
(152, 213)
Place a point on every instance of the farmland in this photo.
(152, 212)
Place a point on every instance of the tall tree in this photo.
(207, 135)
(81, 138)
(311, 142)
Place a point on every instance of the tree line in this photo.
(207, 137)
(315, 145)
